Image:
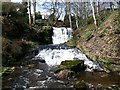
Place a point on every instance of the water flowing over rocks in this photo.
(52, 55)
(61, 35)
(55, 54)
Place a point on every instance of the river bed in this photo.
(47, 57)
(43, 76)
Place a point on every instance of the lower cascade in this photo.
(44, 76)
(55, 53)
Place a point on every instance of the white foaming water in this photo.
(56, 53)
(55, 56)
(61, 35)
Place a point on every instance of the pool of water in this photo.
(43, 77)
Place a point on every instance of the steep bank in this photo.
(102, 44)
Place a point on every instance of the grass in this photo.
(106, 63)
(88, 35)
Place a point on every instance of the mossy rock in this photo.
(6, 71)
(31, 66)
(80, 85)
(71, 42)
(73, 65)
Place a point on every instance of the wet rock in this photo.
(73, 65)
(80, 85)
(62, 74)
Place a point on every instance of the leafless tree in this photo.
(68, 11)
(29, 12)
(93, 12)
(34, 10)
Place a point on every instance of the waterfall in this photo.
(57, 52)
(61, 35)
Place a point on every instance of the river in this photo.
(49, 56)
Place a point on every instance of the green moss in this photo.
(81, 48)
(71, 42)
(105, 63)
(6, 70)
(73, 65)
(93, 57)
(88, 35)
(46, 27)
(31, 66)
(10, 79)
(91, 27)
(80, 85)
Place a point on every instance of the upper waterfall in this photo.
(61, 35)
(54, 54)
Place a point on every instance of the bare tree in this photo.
(93, 12)
(29, 11)
(56, 10)
(111, 5)
(97, 5)
(68, 11)
(34, 10)
(75, 9)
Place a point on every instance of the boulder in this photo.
(73, 65)
(80, 85)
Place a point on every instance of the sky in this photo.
(40, 7)
(43, 11)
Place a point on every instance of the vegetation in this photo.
(6, 70)
(96, 30)
(102, 40)
(88, 35)
(71, 42)
(18, 37)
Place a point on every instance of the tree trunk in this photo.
(111, 5)
(34, 10)
(86, 12)
(69, 13)
(97, 5)
(29, 11)
(76, 16)
(93, 13)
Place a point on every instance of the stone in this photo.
(80, 85)
(73, 65)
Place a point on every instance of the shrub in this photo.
(11, 51)
(88, 35)
(71, 42)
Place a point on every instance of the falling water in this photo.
(55, 53)
(61, 35)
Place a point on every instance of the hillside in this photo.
(103, 44)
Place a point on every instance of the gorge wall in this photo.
(102, 44)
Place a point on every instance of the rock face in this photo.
(104, 46)
(68, 68)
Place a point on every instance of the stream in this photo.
(49, 56)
